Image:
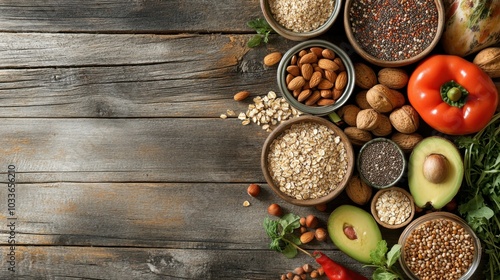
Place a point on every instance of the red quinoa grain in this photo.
(394, 30)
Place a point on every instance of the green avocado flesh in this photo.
(366, 228)
(427, 194)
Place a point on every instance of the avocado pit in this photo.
(435, 168)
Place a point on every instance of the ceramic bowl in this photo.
(282, 129)
(299, 36)
(372, 163)
(388, 201)
(405, 242)
(385, 62)
(288, 95)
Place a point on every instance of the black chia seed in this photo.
(394, 29)
(381, 163)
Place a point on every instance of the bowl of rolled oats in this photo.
(299, 20)
(307, 160)
(316, 77)
(393, 207)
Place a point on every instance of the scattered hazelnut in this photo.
(320, 234)
(302, 221)
(321, 207)
(311, 221)
(307, 268)
(314, 274)
(253, 190)
(275, 210)
(302, 229)
(299, 270)
(321, 271)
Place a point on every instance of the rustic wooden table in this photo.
(123, 168)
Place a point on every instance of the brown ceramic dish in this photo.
(392, 63)
(278, 131)
(388, 225)
(299, 36)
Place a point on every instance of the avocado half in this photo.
(435, 191)
(362, 225)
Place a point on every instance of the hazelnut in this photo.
(321, 207)
(302, 221)
(253, 190)
(320, 234)
(307, 268)
(314, 274)
(312, 221)
(275, 210)
(298, 270)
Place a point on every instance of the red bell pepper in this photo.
(335, 271)
(452, 95)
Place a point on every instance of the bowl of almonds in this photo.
(307, 160)
(316, 77)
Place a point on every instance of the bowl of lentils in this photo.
(393, 33)
(299, 20)
(316, 77)
(307, 160)
(381, 163)
(439, 245)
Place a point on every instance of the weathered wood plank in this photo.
(128, 150)
(83, 75)
(172, 16)
(50, 263)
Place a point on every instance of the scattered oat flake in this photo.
(223, 116)
(246, 203)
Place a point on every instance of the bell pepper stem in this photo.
(454, 94)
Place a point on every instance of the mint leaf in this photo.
(289, 222)
(281, 233)
(254, 41)
(290, 251)
(263, 30)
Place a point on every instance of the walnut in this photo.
(358, 191)
(383, 99)
(361, 100)
(405, 119)
(349, 113)
(357, 136)
(384, 126)
(406, 141)
(368, 119)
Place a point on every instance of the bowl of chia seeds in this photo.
(393, 33)
(439, 245)
(299, 20)
(381, 163)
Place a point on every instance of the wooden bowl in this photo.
(279, 131)
(299, 36)
(392, 63)
(385, 224)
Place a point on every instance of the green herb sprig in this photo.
(263, 30)
(479, 197)
(384, 260)
(283, 239)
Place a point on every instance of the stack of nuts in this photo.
(301, 272)
(316, 76)
(309, 230)
(381, 108)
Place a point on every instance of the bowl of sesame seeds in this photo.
(307, 161)
(299, 20)
(439, 245)
(393, 33)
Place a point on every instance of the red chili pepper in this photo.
(335, 271)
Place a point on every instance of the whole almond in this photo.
(325, 84)
(328, 64)
(241, 95)
(307, 237)
(315, 96)
(365, 75)
(272, 58)
(316, 78)
(395, 78)
(340, 63)
(293, 69)
(325, 102)
(307, 71)
(304, 95)
(308, 58)
(296, 83)
(341, 81)
(337, 93)
(327, 53)
(288, 78)
(326, 93)
(331, 76)
(317, 51)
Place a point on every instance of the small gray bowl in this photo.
(363, 174)
(315, 110)
(299, 36)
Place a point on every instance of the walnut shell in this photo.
(405, 119)
(383, 99)
(384, 126)
(357, 136)
(349, 114)
(358, 191)
(368, 119)
(365, 76)
(395, 78)
(489, 61)
(361, 100)
(406, 141)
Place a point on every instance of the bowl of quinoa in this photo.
(299, 20)
(439, 245)
(393, 33)
(307, 160)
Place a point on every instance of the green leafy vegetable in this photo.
(479, 198)
(281, 233)
(263, 30)
(384, 261)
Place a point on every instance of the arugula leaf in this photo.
(263, 30)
